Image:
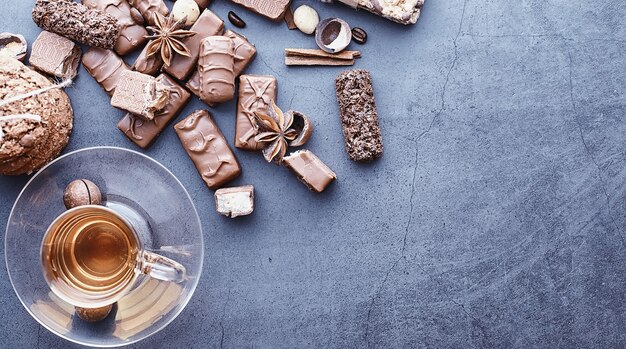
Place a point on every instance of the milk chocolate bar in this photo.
(359, 117)
(132, 32)
(140, 94)
(145, 64)
(400, 11)
(216, 67)
(143, 132)
(310, 170)
(77, 22)
(255, 94)
(148, 8)
(105, 66)
(235, 202)
(202, 4)
(208, 24)
(55, 55)
(206, 146)
(272, 9)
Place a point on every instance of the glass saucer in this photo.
(145, 193)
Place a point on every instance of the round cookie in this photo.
(27, 145)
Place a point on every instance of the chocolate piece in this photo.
(359, 118)
(235, 202)
(13, 45)
(272, 9)
(255, 95)
(55, 55)
(208, 24)
(236, 20)
(140, 94)
(310, 170)
(132, 33)
(143, 132)
(206, 146)
(148, 8)
(105, 66)
(203, 3)
(145, 64)
(291, 24)
(400, 11)
(216, 69)
(77, 22)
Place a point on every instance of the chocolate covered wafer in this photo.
(148, 8)
(132, 33)
(55, 55)
(255, 94)
(310, 170)
(105, 66)
(359, 117)
(77, 22)
(140, 94)
(206, 146)
(216, 68)
(143, 132)
(272, 9)
(208, 24)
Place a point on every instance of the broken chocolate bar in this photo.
(143, 132)
(140, 94)
(310, 170)
(400, 11)
(105, 66)
(235, 202)
(55, 55)
(148, 9)
(359, 118)
(206, 146)
(77, 22)
(255, 94)
(272, 9)
(208, 24)
(216, 67)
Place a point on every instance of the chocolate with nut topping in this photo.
(148, 8)
(255, 95)
(143, 132)
(216, 67)
(206, 146)
(105, 66)
(55, 55)
(310, 170)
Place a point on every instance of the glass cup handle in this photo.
(161, 268)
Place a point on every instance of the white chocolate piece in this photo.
(306, 19)
(235, 202)
(187, 8)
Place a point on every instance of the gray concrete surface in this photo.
(495, 218)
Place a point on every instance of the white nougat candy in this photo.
(235, 202)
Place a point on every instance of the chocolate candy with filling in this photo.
(206, 146)
(143, 132)
(77, 22)
(132, 32)
(105, 66)
(310, 170)
(216, 67)
(272, 9)
(55, 55)
(148, 8)
(359, 118)
(208, 24)
(235, 202)
(255, 94)
(140, 94)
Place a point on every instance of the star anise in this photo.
(275, 132)
(166, 37)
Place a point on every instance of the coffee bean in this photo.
(236, 20)
(359, 35)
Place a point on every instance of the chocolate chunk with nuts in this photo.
(105, 66)
(55, 55)
(81, 192)
(310, 170)
(235, 202)
(13, 45)
(359, 117)
(140, 94)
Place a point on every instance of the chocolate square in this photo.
(310, 170)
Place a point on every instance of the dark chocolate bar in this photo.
(216, 68)
(206, 146)
(55, 55)
(148, 8)
(255, 94)
(310, 170)
(105, 66)
(272, 9)
(143, 132)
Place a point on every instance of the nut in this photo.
(93, 314)
(359, 35)
(303, 125)
(81, 192)
(186, 8)
(333, 35)
(236, 20)
(13, 45)
(306, 19)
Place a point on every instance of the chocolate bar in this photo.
(235, 202)
(105, 66)
(143, 132)
(272, 9)
(55, 55)
(140, 94)
(255, 94)
(399, 11)
(216, 67)
(310, 170)
(359, 118)
(208, 24)
(145, 64)
(77, 22)
(202, 4)
(206, 146)
(132, 32)
(148, 8)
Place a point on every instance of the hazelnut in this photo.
(306, 19)
(81, 192)
(333, 35)
(186, 8)
(93, 314)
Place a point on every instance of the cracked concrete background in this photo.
(494, 219)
